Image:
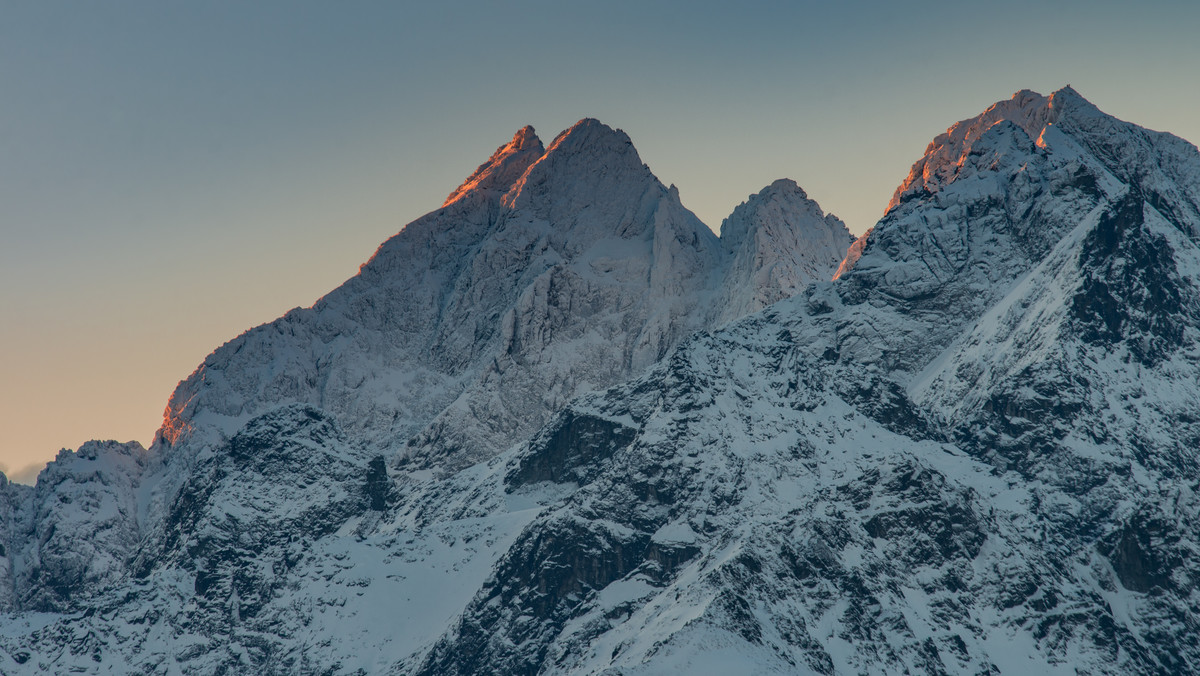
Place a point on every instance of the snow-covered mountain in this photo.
(12, 496)
(549, 273)
(974, 452)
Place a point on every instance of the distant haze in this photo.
(172, 174)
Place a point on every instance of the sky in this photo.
(172, 174)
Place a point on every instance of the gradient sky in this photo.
(173, 173)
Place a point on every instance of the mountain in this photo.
(548, 273)
(975, 451)
(551, 272)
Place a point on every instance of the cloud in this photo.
(25, 475)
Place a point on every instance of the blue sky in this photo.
(173, 173)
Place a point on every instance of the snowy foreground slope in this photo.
(975, 452)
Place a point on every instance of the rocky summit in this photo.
(557, 426)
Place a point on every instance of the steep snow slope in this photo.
(937, 261)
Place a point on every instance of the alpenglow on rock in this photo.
(976, 451)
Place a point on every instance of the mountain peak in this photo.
(1067, 92)
(783, 205)
(1033, 111)
(1025, 98)
(588, 163)
(1067, 101)
(1030, 111)
(503, 168)
(784, 185)
(783, 197)
(591, 135)
(525, 139)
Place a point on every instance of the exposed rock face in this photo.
(974, 452)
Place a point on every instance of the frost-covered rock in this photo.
(548, 273)
(601, 271)
(368, 352)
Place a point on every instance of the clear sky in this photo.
(174, 173)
